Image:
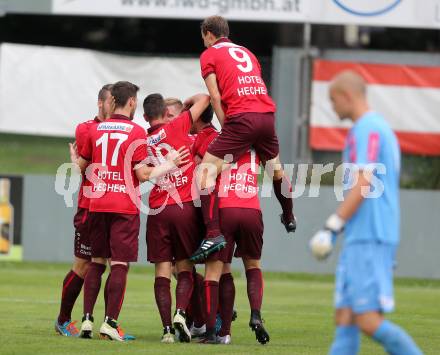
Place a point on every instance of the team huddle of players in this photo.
(204, 205)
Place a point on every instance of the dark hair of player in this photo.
(154, 106)
(217, 25)
(207, 115)
(107, 88)
(122, 91)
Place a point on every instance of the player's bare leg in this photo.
(254, 279)
(92, 286)
(274, 169)
(226, 302)
(162, 294)
(213, 272)
(72, 286)
(206, 176)
(184, 289)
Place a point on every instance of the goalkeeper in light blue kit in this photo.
(370, 218)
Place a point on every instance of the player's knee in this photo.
(163, 270)
(80, 267)
(227, 268)
(344, 317)
(99, 261)
(278, 174)
(213, 270)
(251, 264)
(369, 322)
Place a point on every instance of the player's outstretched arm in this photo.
(216, 98)
(196, 105)
(323, 241)
(174, 159)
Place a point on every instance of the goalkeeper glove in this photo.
(323, 241)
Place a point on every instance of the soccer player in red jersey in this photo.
(74, 279)
(173, 229)
(195, 314)
(246, 112)
(242, 225)
(116, 155)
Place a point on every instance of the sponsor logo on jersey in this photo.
(156, 138)
(115, 126)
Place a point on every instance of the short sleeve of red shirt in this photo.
(87, 150)
(81, 134)
(182, 123)
(207, 65)
(140, 153)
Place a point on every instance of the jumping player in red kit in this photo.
(74, 279)
(173, 230)
(117, 157)
(241, 223)
(246, 112)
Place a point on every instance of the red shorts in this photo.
(114, 235)
(81, 246)
(242, 227)
(244, 131)
(174, 234)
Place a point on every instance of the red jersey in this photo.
(239, 79)
(203, 140)
(237, 186)
(107, 146)
(81, 135)
(175, 187)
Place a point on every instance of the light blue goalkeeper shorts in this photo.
(364, 277)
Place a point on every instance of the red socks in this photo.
(184, 289)
(116, 290)
(255, 288)
(162, 293)
(211, 301)
(72, 285)
(92, 285)
(197, 299)
(106, 293)
(226, 298)
(209, 204)
(285, 202)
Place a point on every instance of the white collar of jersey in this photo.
(225, 44)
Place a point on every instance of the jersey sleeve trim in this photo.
(208, 74)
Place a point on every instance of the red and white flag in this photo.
(407, 96)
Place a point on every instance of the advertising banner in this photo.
(407, 96)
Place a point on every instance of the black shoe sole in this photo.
(86, 334)
(183, 337)
(260, 334)
(204, 254)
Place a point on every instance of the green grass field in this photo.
(21, 154)
(297, 310)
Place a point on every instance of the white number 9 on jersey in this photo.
(241, 56)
